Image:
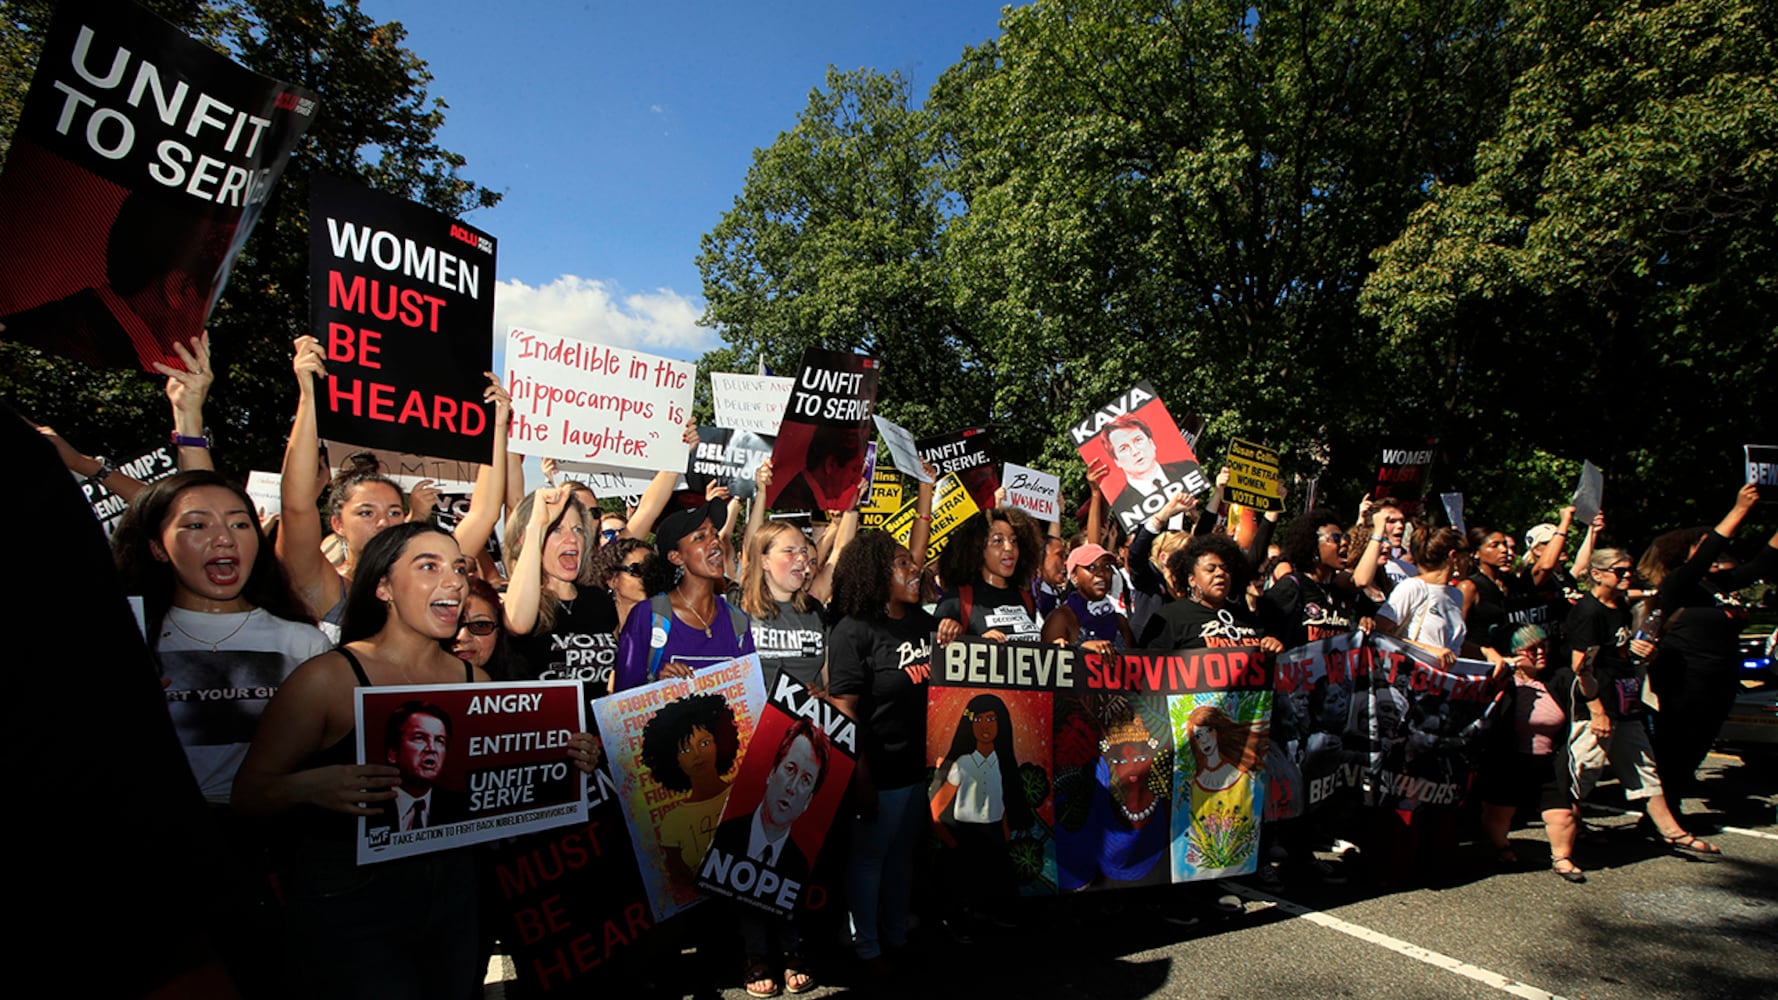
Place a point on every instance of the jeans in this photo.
(879, 878)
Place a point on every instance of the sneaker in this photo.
(1230, 904)
(1328, 872)
(1271, 875)
(1344, 847)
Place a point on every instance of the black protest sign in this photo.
(818, 458)
(782, 802)
(1401, 475)
(1149, 459)
(140, 164)
(402, 301)
(1761, 462)
(728, 456)
(965, 453)
(153, 464)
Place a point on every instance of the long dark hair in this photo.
(861, 576)
(1012, 790)
(267, 587)
(500, 665)
(960, 565)
(1302, 540)
(366, 614)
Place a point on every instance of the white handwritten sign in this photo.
(263, 488)
(750, 402)
(586, 402)
(1038, 492)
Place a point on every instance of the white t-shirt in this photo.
(979, 798)
(1427, 614)
(216, 698)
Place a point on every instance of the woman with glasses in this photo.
(1616, 731)
(481, 639)
(1317, 597)
(987, 571)
(624, 567)
(788, 627)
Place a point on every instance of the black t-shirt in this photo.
(1190, 625)
(1593, 623)
(1299, 610)
(795, 643)
(993, 608)
(886, 661)
(582, 646)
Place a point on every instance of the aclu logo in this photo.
(289, 101)
(379, 838)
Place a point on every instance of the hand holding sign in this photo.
(188, 387)
(345, 787)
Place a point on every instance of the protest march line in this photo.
(1486, 977)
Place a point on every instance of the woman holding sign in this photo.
(405, 927)
(362, 505)
(689, 626)
(988, 568)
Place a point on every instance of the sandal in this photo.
(797, 978)
(1571, 873)
(756, 972)
(1688, 843)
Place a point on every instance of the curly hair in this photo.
(861, 577)
(669, 731)
(1180, 564)
(961, 562)
(1302, 539)
(610, 559)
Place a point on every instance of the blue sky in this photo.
(620, 132)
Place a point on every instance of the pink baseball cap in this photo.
(1085, 555)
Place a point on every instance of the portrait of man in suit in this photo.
(1132, 448)
(415, 742)
(799, 765)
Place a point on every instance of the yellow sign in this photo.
(1253, 476)
(951, 506)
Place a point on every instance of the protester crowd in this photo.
(1606, 663)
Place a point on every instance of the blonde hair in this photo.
(756, 591)
(1165, 544)
(549, 606)
(1603, 558)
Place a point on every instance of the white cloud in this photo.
(657, 109)
(659, 322)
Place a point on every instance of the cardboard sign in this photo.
(782, 804)
(149, 466)
(140, 164)
(750, 402)
(902, 449)
(407, 468)
(263, 487)
(730, 457)
(1588, 494)
(1761, 469)
(401, 299)
(605, 481)
(818, 459)
(1034, 491)
(1453, 503)
(671, 814)
(1253, 476)
(951, 506)
(1149, 458)
(1402, 474)
(481, 761)
(585, 402)
(965, 454)
(885, 499)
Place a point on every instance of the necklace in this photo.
(215, 645)
(703, 623)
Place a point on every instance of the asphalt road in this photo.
(1648, 924)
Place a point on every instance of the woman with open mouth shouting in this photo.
(690, 625)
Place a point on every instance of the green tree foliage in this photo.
(1609, 278)
(376, 124)
(836, 241)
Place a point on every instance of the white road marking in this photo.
(1743, 831)
(1484, 976)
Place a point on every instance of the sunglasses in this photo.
(608, 533)
(631, 569)
(1617, 571)
(480, 628)
(1336, 537)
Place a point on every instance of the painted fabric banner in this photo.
(783, 802)
(675, 746)
(141, 162)
(1377, 719)
(1102, 771)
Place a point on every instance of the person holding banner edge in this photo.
(988, 568)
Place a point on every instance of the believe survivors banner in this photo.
(1074, 753)
(580, 401)
(140, 164)
(1149, 460)
(730, 457)
(401, 299)
(783, 802)
(1377, 719)
(478, 762)
(818, 458)
(675, 746)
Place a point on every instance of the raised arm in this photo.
(1364, 571)
(1553, 549)
(1097, 470)
(524, 587)
(660, 490)
(842, 535)
(490, 481)
(1584, 557)
(96, 470)
(313, 578)
(756, 510)
(187, 389)
(921, 531)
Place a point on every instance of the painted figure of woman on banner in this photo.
(1227, 738)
